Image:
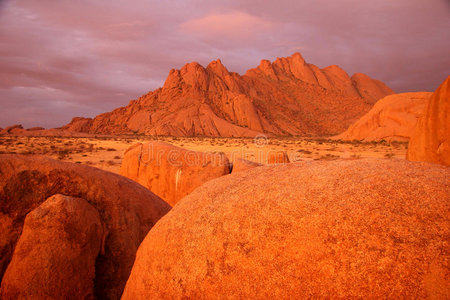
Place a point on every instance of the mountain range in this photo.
(287, 97)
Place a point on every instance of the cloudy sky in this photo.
(65, 58)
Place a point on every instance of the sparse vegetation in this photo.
(107, 153)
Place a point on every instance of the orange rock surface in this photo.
(56, 252)
(240, 164)
(18, 130)
(169, 171)
(286, 97)
(391, 118)
(277, 157)
(127, 210)
(13, 129)
(431, 139)
(340, 229)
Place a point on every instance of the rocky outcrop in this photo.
(277, 157)
(18, 130)
(127, 211)
(79, 124)
(171, 172)
(340, 229)
(431, 139)
(56, 252)
(370, 89)
(13, 129)
(286, 97)
(392, 118)
(37, 128)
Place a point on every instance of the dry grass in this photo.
(107, 153)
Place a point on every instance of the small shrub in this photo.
(389, 155)
(63, 154)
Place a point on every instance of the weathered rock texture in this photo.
(240, 164)
(55, 255)
(18, 130)
(277, 157)
(11, 130)
(392, 118)
(169, 171)
(431, 139)
(286, 97)
(127, 210)
(341, 229)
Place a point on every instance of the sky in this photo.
(64, 58)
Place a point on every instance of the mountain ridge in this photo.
(286, 97)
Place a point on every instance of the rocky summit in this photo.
(286, 97)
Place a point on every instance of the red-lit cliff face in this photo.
(284, 97)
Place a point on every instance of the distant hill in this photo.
(284, 97)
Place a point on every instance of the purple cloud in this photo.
(60, 59)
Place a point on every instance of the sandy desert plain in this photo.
(106, 152)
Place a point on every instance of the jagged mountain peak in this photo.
(286, 97)
(218, 68)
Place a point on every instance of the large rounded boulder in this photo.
(341, 229)
(171, 172)
(127, 211)
(392, 118)
(431, 138)
(56, 252)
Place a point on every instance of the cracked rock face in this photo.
(127, 211)
(431, 138)
(340, 229)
